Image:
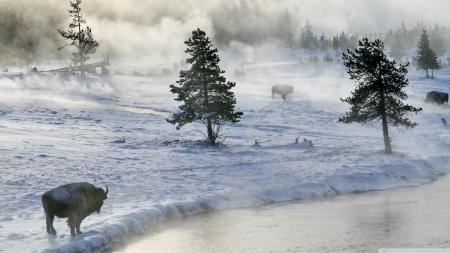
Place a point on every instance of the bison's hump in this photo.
(60, 193)
(65, 192)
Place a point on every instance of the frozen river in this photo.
(414, 217)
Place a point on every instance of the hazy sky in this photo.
(163, 25)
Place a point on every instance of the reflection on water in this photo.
(415, 217)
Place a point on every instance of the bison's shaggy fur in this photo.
(75, 201)
(282, 89)
(436, 97)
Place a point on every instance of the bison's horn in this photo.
(106, 193)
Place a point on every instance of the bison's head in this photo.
(100, 196)
(291, 89)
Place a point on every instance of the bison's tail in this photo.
(45, 202)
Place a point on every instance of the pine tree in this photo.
(344, 41)
(335, 44)
(353, 41)
(435, 65)
(426, 58)
(324, 43)
(416, 32)
(206, 95)
(403, 34)
(397, 49)
(284, 29)
(307, 39)
(379, 91)
(82, 39)
(389, 40)
(437, 43)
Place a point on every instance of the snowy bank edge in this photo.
(415, 173)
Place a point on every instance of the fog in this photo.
(159, 28)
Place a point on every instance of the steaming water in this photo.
(413, 217)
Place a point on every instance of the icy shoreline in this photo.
(101, 238)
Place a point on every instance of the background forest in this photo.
(29, 37)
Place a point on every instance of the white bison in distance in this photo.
(75, 201)
(282, 89)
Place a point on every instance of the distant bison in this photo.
(282, 89)
(75, 201)
(436, 97)
(167, 72)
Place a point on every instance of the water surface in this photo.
(412, 217)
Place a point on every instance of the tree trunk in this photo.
(427, 73)
(211, 139)
(210, 132)
(387, 143)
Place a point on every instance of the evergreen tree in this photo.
(389, 40)
(426, 58)
(397, 50)
(284, 29)
(82, 39)
(344, 41)
(335, 43)
(353, 41)
(403, 34)
(437, 43)
(435, 65)
(416, 32)
(206, 95)
(324, 43)
(379, 91)
(307, 39)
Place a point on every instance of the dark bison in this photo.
(436, 97)
(282, 89)
(75, 201)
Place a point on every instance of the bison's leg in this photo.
(80, 219)
(49, 224)
(72, 222)
(49, 217)
(284, 96)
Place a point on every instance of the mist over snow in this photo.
(58, 128)
(159, 28)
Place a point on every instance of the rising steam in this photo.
(148, 27)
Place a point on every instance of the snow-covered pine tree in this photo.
(426, 58)
(206, 94)
(379, 93)
(82, 39)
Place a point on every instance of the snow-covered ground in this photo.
(111, 130)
